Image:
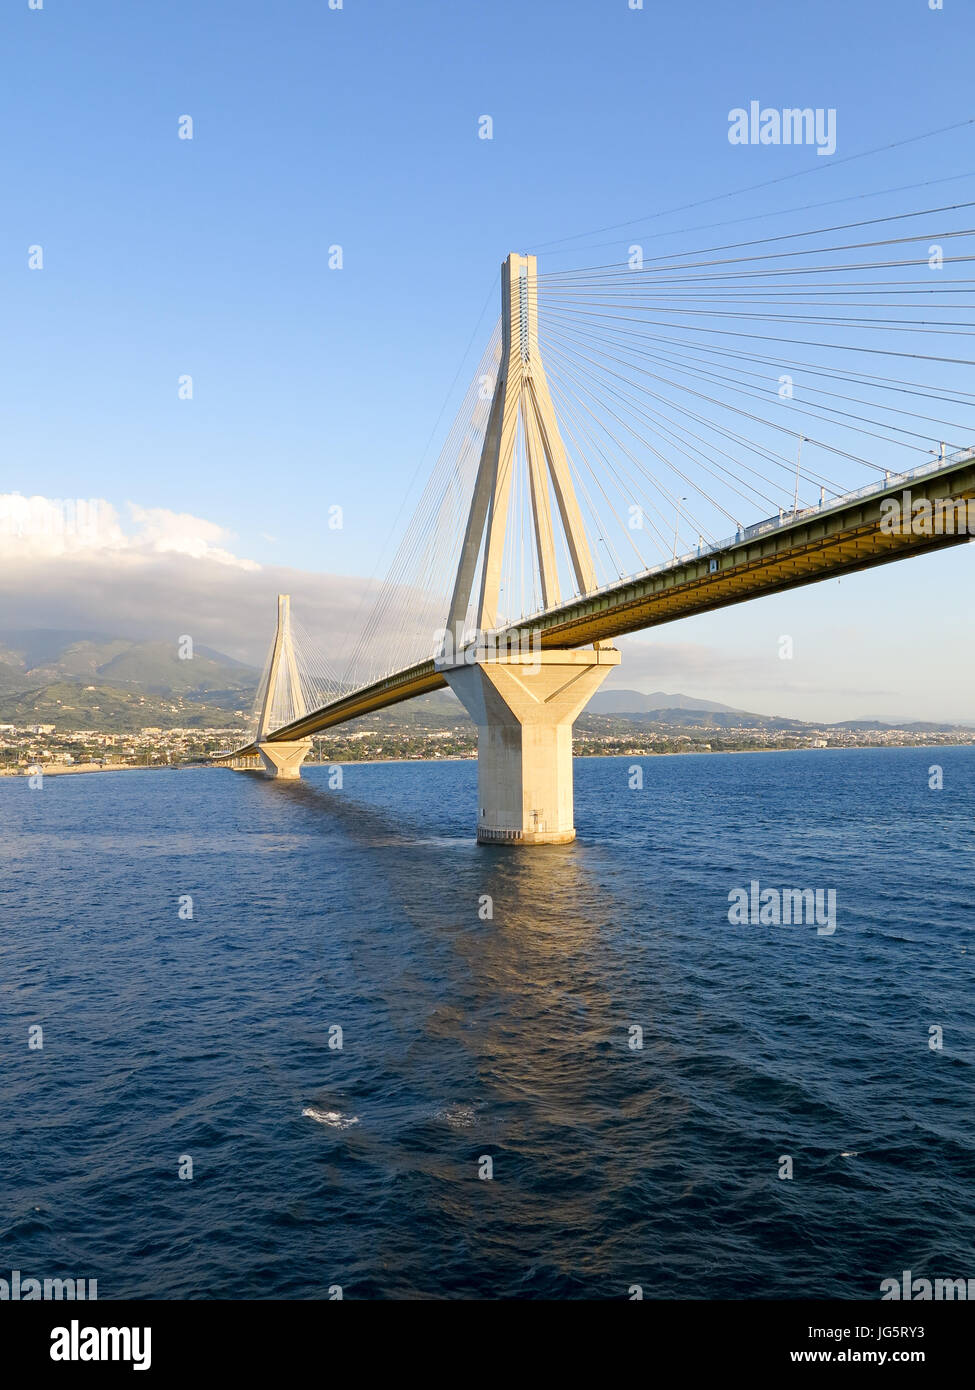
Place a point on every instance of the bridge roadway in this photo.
(770, 557)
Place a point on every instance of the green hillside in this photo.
(71, 706)
(45, 678)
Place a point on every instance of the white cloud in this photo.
(44, 527)
(178, 533)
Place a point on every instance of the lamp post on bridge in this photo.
(676, 525)
(795, 500)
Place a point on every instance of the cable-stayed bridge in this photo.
(623, 430)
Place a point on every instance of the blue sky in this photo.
(359, 127)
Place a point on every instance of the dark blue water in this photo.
(508, 1038)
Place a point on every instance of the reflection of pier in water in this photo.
(505, 1022)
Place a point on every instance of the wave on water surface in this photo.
(334, 1118)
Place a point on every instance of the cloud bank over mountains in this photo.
(157, 575)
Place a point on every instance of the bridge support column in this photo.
(524, 705)
(284, 759)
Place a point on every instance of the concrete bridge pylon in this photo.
(282, 759)
(524, 703)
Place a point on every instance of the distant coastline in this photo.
(64, 770)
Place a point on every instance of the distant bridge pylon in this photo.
(283, 702)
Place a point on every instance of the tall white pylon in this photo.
(524, 703)
(282, 759)
(521, 392)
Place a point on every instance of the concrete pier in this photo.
(284, 759)
(524, 705)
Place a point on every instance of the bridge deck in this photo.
(768, 558)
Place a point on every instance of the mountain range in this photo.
(79, 680)
(87, 680)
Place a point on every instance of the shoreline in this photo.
(62, 770)
(66, 770)
(682, 753)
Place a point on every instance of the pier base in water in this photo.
(284, 759)
(524, 705)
